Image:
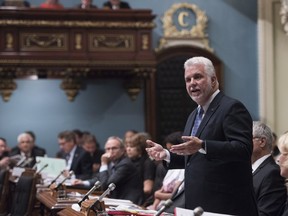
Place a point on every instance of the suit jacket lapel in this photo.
(266, 161)
(209, 113)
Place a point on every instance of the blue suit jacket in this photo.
(221, 180)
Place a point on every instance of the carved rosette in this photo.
(7, 86)
(71, 86)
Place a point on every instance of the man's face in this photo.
(199, 85)
(65, 145)
(89, 147)
(25, 144)
(115, 2)
(112, 147)
(86, 2)
(2, 147)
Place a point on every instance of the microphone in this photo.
(198, 211)
(35, 165)
(110, 188)
(26, 162)
(166, 205)
(46, 165)
(61, 183)
(96, 185)
(54, 180)
(98, 205)
(20, 161)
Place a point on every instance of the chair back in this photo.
(4, 191)
(24, 196)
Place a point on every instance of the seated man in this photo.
(4, 159)
(13, 3)
(269, 185)
(86, 4)
(91, 145)
(27, 150)
(116, 4)
(77, 159)
(117, 168)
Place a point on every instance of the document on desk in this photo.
(188, 212)
(55, 166)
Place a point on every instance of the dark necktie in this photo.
(197, 121)
(67, 157)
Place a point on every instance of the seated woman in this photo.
(136, 151)
(172, 179)
(51, 4)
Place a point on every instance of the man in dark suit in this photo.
(26, 150)
(269, 185)
(217, 155)
(76, 157)
(86, 4)
(116, 4)
(118, 169)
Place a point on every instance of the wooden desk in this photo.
(51, 206)
(69, 212)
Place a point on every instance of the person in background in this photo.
(51, 4)
(91, 145)
(269, 185)
(275, 150)
(136, 151)
(4, 154)
(217, 138)
(282, 161)
(128, 134)
(86, 4)
(117, 168)
(7, 3)
(77, 159)
(78, 135)
(116, 4)
(172, 180)
(39, 149)
(26, 149)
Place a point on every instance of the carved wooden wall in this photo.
(74, 45)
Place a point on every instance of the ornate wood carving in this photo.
(88, 44)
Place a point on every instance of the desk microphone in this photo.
(96, 185)
(198, 211)
(46, 165)
(54, 180)
(166, 205)
(35, 165)
(70, 174)
(98, 205)
(20, 162)
(110, 188)
(26, 162)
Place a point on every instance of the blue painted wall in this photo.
(105, 109)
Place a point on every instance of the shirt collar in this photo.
(258, 162)
(205, 106)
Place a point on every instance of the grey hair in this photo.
(261, 130)
(20, 136)
(118, 139)
(208, 65)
